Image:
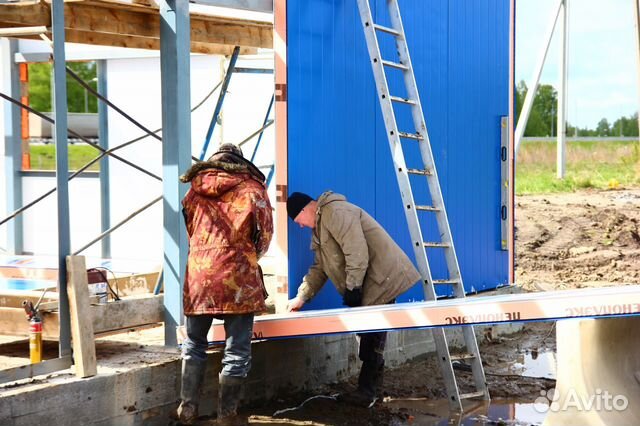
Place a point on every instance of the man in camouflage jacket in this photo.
(229, 223)
(364, 263)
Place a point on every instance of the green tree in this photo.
(625, 126)
(40, 86)
(546, 102)
(603, 128)
(78, 99)
(541, 119)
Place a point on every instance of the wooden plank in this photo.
(107, 318)
(127, 313)
(135, 284)
(84, 347)
(115, 40)
(14, 322)
(130, 312)
(132, 25)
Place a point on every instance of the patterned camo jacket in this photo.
(229, 223)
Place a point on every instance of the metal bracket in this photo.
(505, 211)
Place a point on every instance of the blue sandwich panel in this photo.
(337, 139)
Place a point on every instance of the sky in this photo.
(603, 58)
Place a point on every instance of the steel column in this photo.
(264, 123)
(103, 135)
(62, 169)
(535, 79)
(176, 151)
(223, 92)
(562, 90)
(13, 144)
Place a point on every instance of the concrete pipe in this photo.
(598, 382)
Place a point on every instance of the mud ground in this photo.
(563, 241)
(578, 240)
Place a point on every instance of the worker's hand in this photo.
(295, 304)
(352, 298)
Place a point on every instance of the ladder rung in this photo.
(402, 100)
(415, 136)
(395, 65)
(446, 282)
(386, 30)
(424, 172)
(427, 208)
(457, 357)
(471, 395)
(436, 245)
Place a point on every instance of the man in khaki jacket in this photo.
(363, 262)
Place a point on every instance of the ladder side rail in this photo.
(479, 378)
(437, 199)
(425, 150)
(396, 148)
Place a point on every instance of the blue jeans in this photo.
(238, 330)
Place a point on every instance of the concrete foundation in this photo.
(138, 383)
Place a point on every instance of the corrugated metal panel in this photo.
(337, 139)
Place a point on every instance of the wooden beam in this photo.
(14, 322)
(134, 25)
(84, 347)
(135, 285)
(103, 39)
(127, 313)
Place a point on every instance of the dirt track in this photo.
(585, 239)
(563, 241)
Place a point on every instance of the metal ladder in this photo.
(421, 137)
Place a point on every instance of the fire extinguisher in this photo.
(35, 332)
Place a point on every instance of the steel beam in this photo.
(507, 308)
(562, 91)
(535, 79)
(265, 6)
(223, 92)
(103, 136)
(264, 123)
(176, 152)
(13, 144)
(244, 70)
(62, 169)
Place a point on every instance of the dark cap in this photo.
(296, 202)
(229, 147)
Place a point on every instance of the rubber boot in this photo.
(379, 382)
(229, 394)
(192, 377)
(369, 381)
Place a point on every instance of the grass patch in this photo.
(598, 165)
(43, 157)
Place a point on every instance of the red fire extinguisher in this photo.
(35, 332)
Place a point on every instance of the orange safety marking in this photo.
(28, 273)
(610, 301)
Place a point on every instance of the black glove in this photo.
(352, 298)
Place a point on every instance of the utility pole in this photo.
(562, 90)
(636, 7)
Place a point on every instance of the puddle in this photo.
(534, 364)
(436, 413)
